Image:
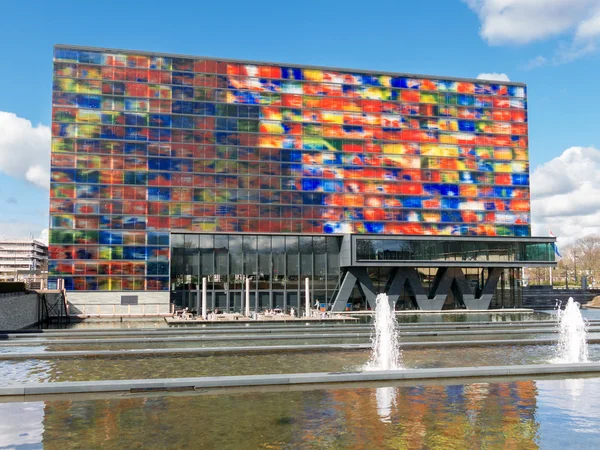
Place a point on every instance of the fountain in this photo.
(386, 354)
(572, 344)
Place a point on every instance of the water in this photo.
(572, 346)
(530, 414)
(386, 354)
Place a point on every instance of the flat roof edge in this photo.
(304, 66)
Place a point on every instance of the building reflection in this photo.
(497, 415)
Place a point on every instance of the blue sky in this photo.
(548, 44)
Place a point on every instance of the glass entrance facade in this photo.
(276, 266)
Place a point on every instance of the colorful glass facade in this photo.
(143, 144)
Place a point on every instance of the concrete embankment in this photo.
(461, 374)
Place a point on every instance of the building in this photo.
(167, 169)
(23, 260)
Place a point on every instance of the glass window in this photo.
(250, 264)
(207, 263)
(264, 268)
(249, 244)
(177, 240)
(264, 244)
(292, 270)
(278, 271)
(306, 246)
(306, 268)
(221, 264)
(320, 244)
(333, 245)
(191, 241)
(221, 243)
(278, 244)
(320, 266)
(235, 244)
(291, 244)
(206, 242)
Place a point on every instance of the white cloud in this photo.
(589, 28)
(526, 21)
(20, 229)
(565, 195)
(24, 149)
(493, 76)
(536, 62)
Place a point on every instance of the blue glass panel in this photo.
(450, 203)
(65, 54)
(520, 179)
(521, 230)
(159, 164)
(134, 223)
(135, 149)
(313, 199)
(374, 227)
(432, 189)
(503, 192)
(485, 166)
(182, 107)
(136, 134)
(450, 189)
(135, 253)
(466, 125)
(159, 194)
(89, 101)
(291, 73)
(204, 109)
(111, 237)
(466, 100)
(160, 120)
(158, 238)
(412, 202)
(69, 283)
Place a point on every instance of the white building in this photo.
(23, 259)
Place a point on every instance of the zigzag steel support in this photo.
(344, 292)
(435, 301)
(366, 284)
(458, 277)
(402, 275)
(353, 275)
(483, 302)
(442, 285)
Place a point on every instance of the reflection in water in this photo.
(497, 415)
(21, 424)
(566, 408)
(386, 397)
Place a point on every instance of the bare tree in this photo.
(581, 259)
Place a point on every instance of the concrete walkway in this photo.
(305, 334)
(241, 350)
(460, 374)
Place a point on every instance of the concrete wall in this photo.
(18, 311)
(109, 303)
(546, 297)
